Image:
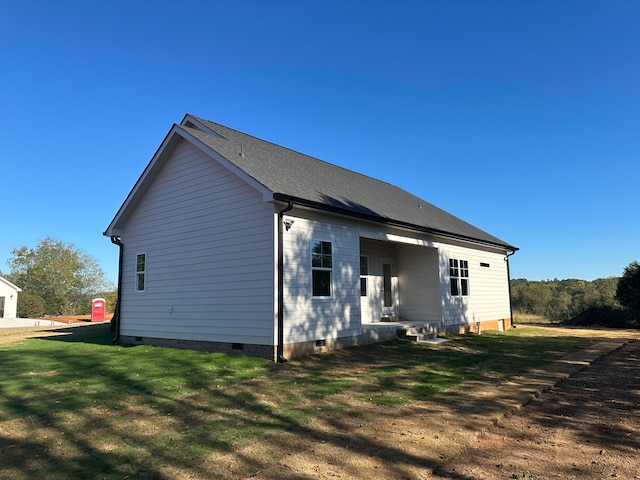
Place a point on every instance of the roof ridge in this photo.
(300, 153)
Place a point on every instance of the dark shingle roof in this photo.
(290, 174)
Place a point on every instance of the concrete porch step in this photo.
(418, 333)
(419, 337)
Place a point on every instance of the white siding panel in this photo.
(208, 238)
(307, 318)
(419, 284)
(488, 286)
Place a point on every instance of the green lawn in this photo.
(77, 406)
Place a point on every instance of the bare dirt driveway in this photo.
(580, 420)
(585, 427)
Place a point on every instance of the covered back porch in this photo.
(400, 282)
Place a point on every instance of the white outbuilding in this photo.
(8, 299)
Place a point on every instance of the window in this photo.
(364, 271)
(141, 269)
(459, 275)
(321, 268)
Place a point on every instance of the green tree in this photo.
(628, 291)
(532, 297)
(65, 277)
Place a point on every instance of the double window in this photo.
(459, 275)
(141, 270)
(321, 268)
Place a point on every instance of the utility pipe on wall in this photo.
(115, 320)
(509, 285)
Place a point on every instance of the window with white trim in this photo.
(321, 268)
(459, 277)
(141, 271)
(364, 272)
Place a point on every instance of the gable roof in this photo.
(287, 175)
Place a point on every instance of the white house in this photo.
(231, 243)
(8, 299)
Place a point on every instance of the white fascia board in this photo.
(267, 195)
(9, 284)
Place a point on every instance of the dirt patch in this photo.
(72, 319)
(587, 426)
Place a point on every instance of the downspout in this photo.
(115, 320)
(509, 283)
(280, 349)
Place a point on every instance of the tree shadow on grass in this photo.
(93, 333)
(151, 412)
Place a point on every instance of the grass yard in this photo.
(76, 406)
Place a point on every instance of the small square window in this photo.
(321, 255)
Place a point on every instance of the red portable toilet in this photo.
(98, 306)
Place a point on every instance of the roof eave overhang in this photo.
(388, 221)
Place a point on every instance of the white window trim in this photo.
(312, 269)
(458, 279)
(144, 272)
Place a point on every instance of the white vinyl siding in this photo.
(208, 239)
(488, 297)
(419, 280)
(308, 318)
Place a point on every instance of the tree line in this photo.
(57, 278)
(561, 301)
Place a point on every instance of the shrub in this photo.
(611, 317)
(30, 306)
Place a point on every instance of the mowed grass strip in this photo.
(77, 406)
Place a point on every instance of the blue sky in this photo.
(520, 117)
